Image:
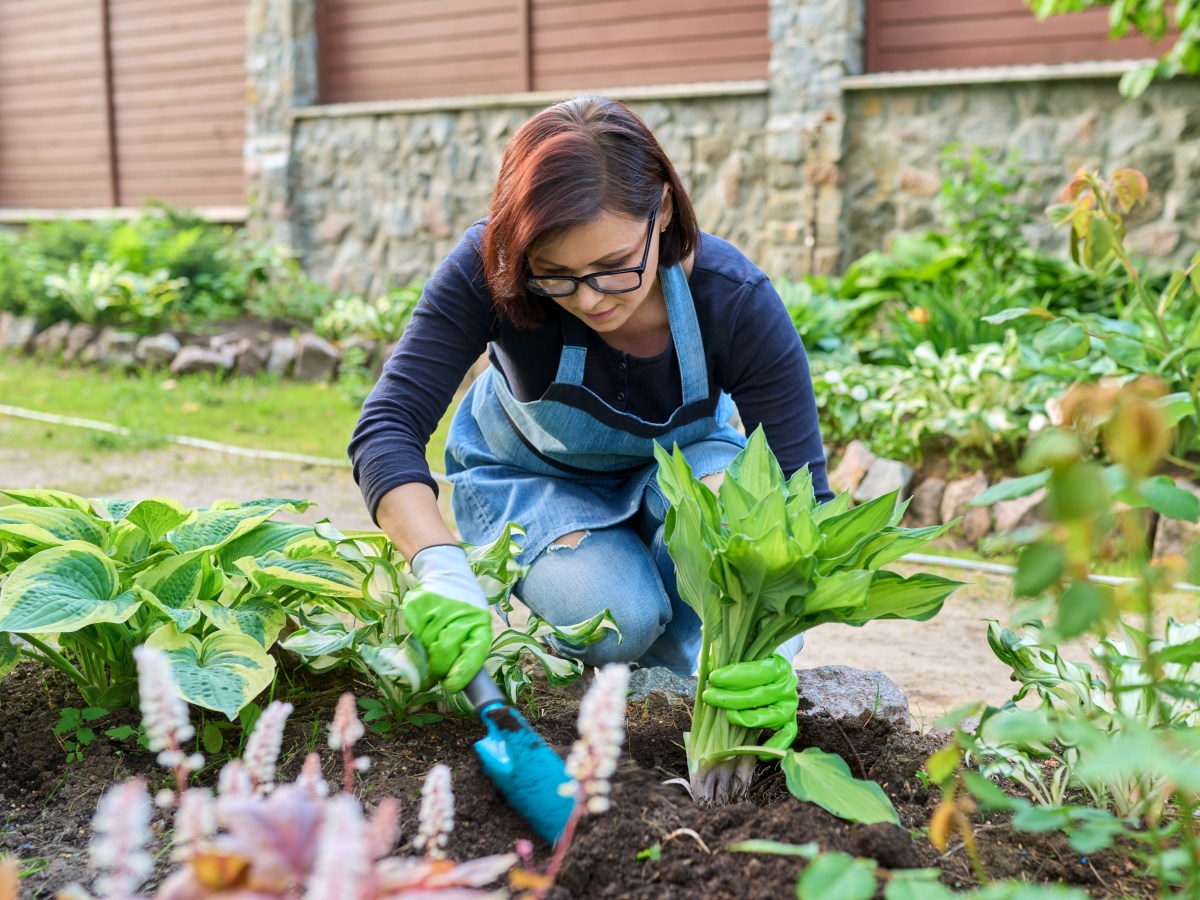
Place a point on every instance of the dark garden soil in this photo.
(46, 804)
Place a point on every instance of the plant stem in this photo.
(58, 661)
(561, 848)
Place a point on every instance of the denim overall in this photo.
(554, 468)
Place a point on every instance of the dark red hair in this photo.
(564, 167)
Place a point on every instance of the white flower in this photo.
(195, 821)
(342, 864)
(436, 817)
(859, 393)
(164, 711)
(347, 728)
(594, 756)
(311, 779)
(1037, 422)
(118, 848)
(262, 747)
(832, 377)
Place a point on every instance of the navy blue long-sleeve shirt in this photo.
(752, 351)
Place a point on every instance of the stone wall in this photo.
(380, 198)
(894, 137)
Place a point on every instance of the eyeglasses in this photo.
(614, 281)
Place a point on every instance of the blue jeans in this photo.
(627, 570)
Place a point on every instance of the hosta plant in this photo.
(760, 561)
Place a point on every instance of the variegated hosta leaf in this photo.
(10, 654)
(128, 544)
(509, 645)
(175, 581)
(40, 497)
(183, 617)
(580, 634)
(328, 576)
(49, 525)
(112, 509)
(386, 584)
(154, 515)
(261, 618)
(224, 672)
(286, 504)
(212, 528)
(494, 565)
(266, 538)
(63, 589)
(406, 661)
(326, 641)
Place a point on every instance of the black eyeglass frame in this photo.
(531, 281)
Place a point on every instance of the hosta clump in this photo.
(761, 561)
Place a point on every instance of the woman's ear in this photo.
(666, 213)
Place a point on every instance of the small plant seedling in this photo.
(74, 733)
(653, 853)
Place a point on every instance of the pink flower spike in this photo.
(383, 831)
(262, 747)
(347, 728)
(310, 778)
(122, 829)
(593, 758)
(436, 817)
(164, 711)
(195, 822)
(342, 869)
(234, 780)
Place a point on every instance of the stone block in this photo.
(1019, 513)
(281, 356)
(976, 521)
(845, 692)
(316, 359)
(1158, 240)
(193, 360)
(925, 508)
(80, 335)
(919, 184)
(884, 476)
(112, 349)
(251, 357)
(157, 350)
(21, 333)
(852, 468)
(51, 341)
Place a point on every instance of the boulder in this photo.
(193, 360)
(926, 506)
(281, 356)
(20, 333)
(111, 349)
(251, 357)
(52, 340)
(855, 463)
(884, 476)
(80, 335)
(316, 359)
(157, 350)
(976, 521)
(1018, 513)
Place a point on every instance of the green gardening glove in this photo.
(456, 635)
(758, 694)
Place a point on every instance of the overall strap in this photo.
(574, 351)
(685, 330)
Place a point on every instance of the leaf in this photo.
(987, 793)
(261, 618)
(212, 528)
(823, 778)
(894, 543)
(175, 582)
(1127, 352)
(1064, 338)
(1168, 499)
(1011, 489)
(48, 498)
(10, 654)
(49, 525)
(944, 763)
(1129, 186)
(327, 640)
(843, 531)
(224, 672)
(581, 634)
(837, 876)
(1176, 407)
(266, 538)
(916, 884)
(63, 589)
(1039, 566)
(327, 577)
(779, 848)
(891, 596)
(212, 738)
(157, 515)
(1135, 82)
(1083, 607)
(405, 660)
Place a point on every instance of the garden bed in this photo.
(49, 802)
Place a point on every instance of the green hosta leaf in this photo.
(768, 571)
(49, 525)
(63, 589)
(1012, 489)
(287, 504)
(211, 528)
(182, 617)
(1168, 499)
(494, 564)
(894, 543)
(508, 646)
(328, 577)
(1039, 566)
(224, 672)
(917, 884)
(331, 638)
(10, 654)
(834, 507)
(128, 544)
(755, 468)
(580, 634)
(825, 779)
(837, 876)
(843, 532)
(779, 848)
(269, 537)
(892, 596)
(46, 498)
(1083, 607)
(176, 581)
(843, 591)
(158, 515)
(988, 794)
(261, 618)
(406, 661)
(112, 509)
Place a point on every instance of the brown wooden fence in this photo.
(398, 49)
(115, 102)
(904, 35)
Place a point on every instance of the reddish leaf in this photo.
(1129, 186)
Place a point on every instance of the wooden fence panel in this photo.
(905, 35)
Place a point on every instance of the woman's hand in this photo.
(758, 694)
(449, 615)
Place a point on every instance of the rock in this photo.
(920, 184)
(334, 227)
(80, 335)
(20, 333)
(661, 681)
(251, 358)
(361, 347)
(1019, 513)
(1174, 537)
(227, 343)
(884, 476)
(976, 521)
(316, 359)
(281, 356)
(157, 350)
(111, 349)
(52, 340)
(6, 320)
(192, 360)
(842, 691)
(854, 465)
(926, 506)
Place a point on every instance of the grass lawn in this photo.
(262, 413)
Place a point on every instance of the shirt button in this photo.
(623, 366)
(620, 396)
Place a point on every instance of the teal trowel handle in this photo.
(482, 692)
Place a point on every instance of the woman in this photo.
(610, 324)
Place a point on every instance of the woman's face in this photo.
(612, 241)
